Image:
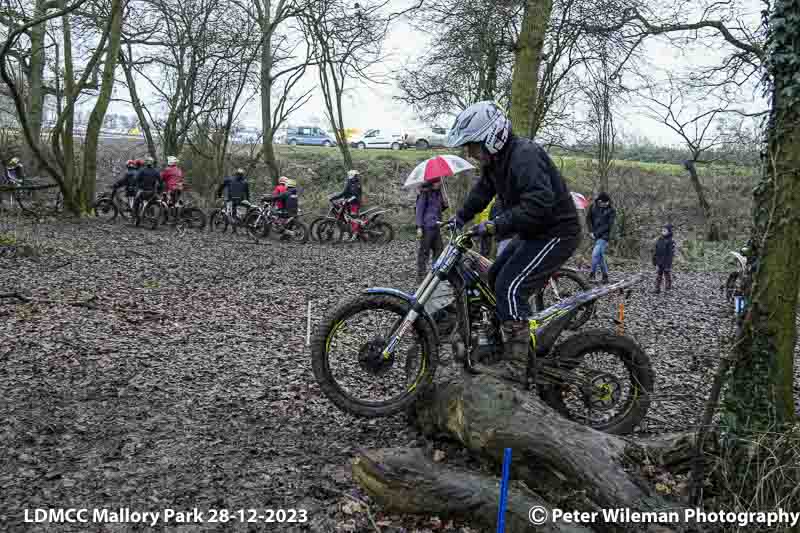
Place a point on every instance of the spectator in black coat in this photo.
(662, 258)
(600, 222)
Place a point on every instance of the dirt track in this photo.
(186, 382)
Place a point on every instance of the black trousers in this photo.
(431, 243)
(523, 268)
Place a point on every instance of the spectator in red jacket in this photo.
(173, 179)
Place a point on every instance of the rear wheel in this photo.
(348, 362)
(105, 209)
(608, 381)
(564, 284)
(299, 231)
(193, 217)
(313, 227)
(422, 145)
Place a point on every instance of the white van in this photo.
(382, 138)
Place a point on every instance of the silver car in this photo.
(426, 138)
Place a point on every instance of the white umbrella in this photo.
(436, 168)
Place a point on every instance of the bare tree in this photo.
(75, 177)
(700, 133)
(346, 42)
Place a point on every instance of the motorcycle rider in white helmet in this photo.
(352, 199)
(537, 208)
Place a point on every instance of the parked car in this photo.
(308, 135)
(425, 138)
(393, 139)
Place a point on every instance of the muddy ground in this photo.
(170, 371)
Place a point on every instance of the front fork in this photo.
(421, 297)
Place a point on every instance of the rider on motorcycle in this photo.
(284, 198)
(236, 191)
(148, 182)
(128, 180)
(537, 208)
(352, 199)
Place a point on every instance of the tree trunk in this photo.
(266, 94)
(71, 201)
(127, 68)
(759, 393)
(89, 177)
(711, 228)
(36, 76)
(555, 456)
(406, 481)
(525, 82)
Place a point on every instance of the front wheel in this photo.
(151, 215)
(329, 231)
(602, 380)
(348, 362)
(218, 221)
(380, 232)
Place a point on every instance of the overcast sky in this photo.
(373, 106)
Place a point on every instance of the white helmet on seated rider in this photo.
(283, 180)
(353, 174)
(172, 161)
(484, 123)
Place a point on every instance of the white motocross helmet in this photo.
(352, 174)
(172, 161)
(482, 122)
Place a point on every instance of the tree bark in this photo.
(554, 456)
(525, 81)
(36, 75)
(89, 176)
(406, 481)
(759, 393)
(265, 22)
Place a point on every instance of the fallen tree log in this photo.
(404, 480)
(572, 466)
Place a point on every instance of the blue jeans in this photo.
(599, 256)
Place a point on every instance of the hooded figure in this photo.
(662, 258)
(430, 204)
(600, 222)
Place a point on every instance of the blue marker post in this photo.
(501, 511)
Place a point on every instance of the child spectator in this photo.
(662, 258)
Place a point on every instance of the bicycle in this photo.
(260, 221)
(336, 225)
(562, 381)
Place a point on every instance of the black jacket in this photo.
(352, 189)
(664, 251)
(536, 202)
(600, 221)
(236, 188)
(149, 179)
(128, 180)
(290, 201)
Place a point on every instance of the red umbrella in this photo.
(436, 168)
